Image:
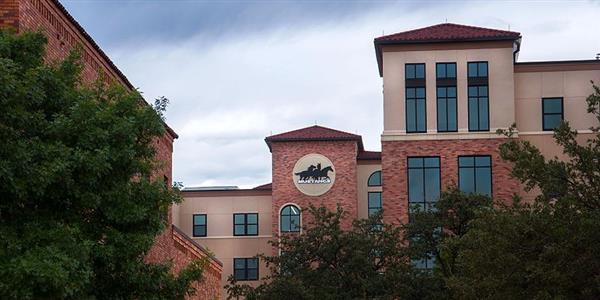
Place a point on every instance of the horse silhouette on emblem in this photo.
(314, 174)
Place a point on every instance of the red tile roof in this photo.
(448, 32)
(369, 155)
(314, 133)
(442, 33)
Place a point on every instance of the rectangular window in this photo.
(475, 174)
(374, 202)
(552, 113)
(415, 110)
(478, 69)
(245, 224)
(446, 97)
(478, 108)
(423, 182)
(199, 228)
(415, 98)
(245, 268)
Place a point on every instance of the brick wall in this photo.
(395, 180)
(173, 245)
(343, 156)
(9, 13)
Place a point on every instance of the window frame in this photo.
(245, 269)
(446, 65)
(281, 215)
(479, 129)
(415, 65)
(437, 108)
(194, 225)
(423, 178)
(415, 99)
(562, 112)
(369, 207)
(474, 167)
(245, 224)
(487, 69)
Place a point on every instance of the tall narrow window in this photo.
(415, 98)
(475, 174)
(423, 182)
(552, 113)
(446, 97)
(478, 96)
(245, 224)
(199, 229)
(375, 203)
(290, 219)
(245, 268)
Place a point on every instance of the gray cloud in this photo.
(237, 72)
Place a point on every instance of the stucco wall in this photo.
(363, 173)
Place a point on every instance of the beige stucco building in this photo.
(447, 89)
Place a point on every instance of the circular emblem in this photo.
(313, 174)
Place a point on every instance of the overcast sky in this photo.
(238, 71)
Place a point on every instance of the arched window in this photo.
(375, 179)
(290, 219)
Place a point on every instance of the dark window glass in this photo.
(374, 179)
(478, 108)
(552, 113)
(199, 225)
(245, 268)
(414, 71)
(445, 70)
(375, 203)
(290, 219)
(423, 181)
(477, 69)
(475, 174)
(446, 109)
(415, 109)
(245, 224)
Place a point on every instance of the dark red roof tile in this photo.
(314, 133)
(449, 32)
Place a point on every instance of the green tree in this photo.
(79, 207)
(547, 249)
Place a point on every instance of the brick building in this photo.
(447, 88)
(64, 33)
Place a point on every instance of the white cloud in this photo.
(227, 95)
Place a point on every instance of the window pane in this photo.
(252, 263)
(252, 229)
(410, 93)
(415, 162)
(420, 71)
(374, 200)
(375, 179)
(452, 124)
(473, 91)
(473, 114)
(420, 92)
(466, 180)
(411, 123)
(285, 223)
(441, 115)
(432, 184)
(451, 92)
(483, 114)
(240, 274)
(295, 223)
(483, 70)
(421, 115)
(239, 219)
(472, 69)
(199, 230)
(239, 229)
(466, 161)
(553, 106)
(294, 210)
(239, 263)
(373, 211)
(484, 181)
(552, 121)
(199, 219)
(410, 71)
(286, 210)
(252, 274)
(441, 70)
(483, 161)
(432, 162)
(451, 70)
(482, 91)
(415, 185)
(252, 218)
(441, 92)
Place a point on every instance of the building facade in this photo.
(447, 89)
(63, 34)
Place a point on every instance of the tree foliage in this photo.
(79, 206)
